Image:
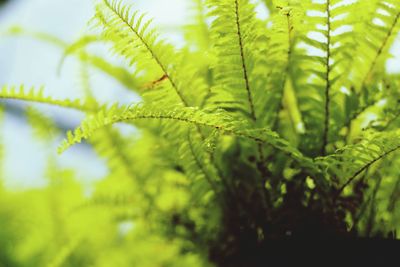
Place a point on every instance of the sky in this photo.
(27, 61)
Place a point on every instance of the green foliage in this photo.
(34, 95)
(253, 131)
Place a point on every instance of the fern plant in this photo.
(261, 127)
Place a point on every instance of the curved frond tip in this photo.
(36, 96)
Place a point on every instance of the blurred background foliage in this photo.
(62, 224)
(79, 209)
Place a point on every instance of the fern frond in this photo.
(322, 67)
(191, 116)
(235, 31)
(375, 38)
(220, 121)
(367, 165)
(375, 35)
(134, 39)
(349, 162)
(282, 34)
(37, 96)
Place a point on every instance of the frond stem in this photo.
(328, 82)
(244, 66)
(285, 74)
